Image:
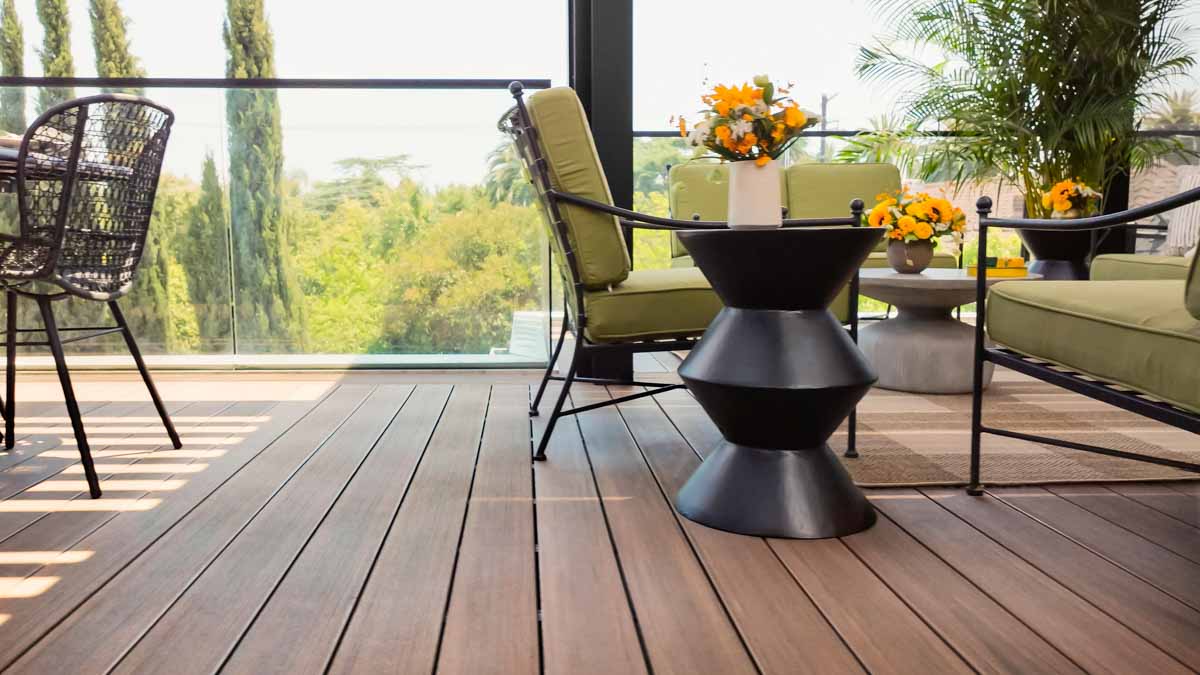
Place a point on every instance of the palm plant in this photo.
(1176, 111)
(1033, 90)
(506, 180)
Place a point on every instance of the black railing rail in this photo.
(272, 82)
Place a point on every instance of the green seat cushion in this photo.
(701, 189)
(1127, 267)
(1134, 333)
(826, 190)
(574, 166)
(651, 304)
(878, 260)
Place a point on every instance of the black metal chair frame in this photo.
(1076, 382)
(69, 172)
(519, 126)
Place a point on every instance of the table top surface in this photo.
(929, 279)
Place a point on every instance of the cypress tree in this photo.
(267, 299)
(55, 51)
(109, 39)
(12, 64)
(205, 255)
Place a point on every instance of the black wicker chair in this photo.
(87, 173)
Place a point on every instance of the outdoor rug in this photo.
(924, 439)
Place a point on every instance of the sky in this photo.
(677, 45)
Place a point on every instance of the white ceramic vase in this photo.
(754, 201)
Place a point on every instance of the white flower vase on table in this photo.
(754, 196)
(750, 126)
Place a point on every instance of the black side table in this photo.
(777, 373)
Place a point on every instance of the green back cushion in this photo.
(826, 190)
(1192, 297)
(701, 188)
(574, 167)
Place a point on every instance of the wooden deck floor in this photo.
(373, 524)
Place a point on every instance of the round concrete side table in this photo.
(924, 349)
(777, 373)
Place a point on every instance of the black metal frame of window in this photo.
(1077, 382)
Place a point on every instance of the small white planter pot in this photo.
(754, 198)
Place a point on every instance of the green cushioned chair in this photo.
(610, 307)
(1129, 337)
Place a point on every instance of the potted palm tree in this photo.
(1033, 92)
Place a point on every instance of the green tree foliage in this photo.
(109, 39)
(12, 64)
(455, 286)
(269, 309)
(651, 159)
(363, 179)
(55, 51)
(203, 251)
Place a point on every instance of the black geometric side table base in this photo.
(777, 374)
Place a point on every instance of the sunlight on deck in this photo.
(137, 454)
(96, 441)
(140, 468)
(72, 505)
(109, 486)
(43, 557)
(25, 587)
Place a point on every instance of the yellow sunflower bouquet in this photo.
(750, 122)
(1071, 199)
(921, 217)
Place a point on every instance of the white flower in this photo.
(741, 128)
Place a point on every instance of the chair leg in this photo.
(10, 372)
(64, 378)
(851, 428)
(141, 366)
(974, 488)
(540, 455)
(537, 399)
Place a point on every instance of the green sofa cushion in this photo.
(702, 188)
(1134, 333)
(826, 190)
(566, 141)
(651, 304)
(1127, 267)
(878, 260)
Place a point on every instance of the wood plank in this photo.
(1161, 498)
(1168, 571)
(683, 623)
(1086, 635)
(298, 629)
(1190, 487)
(1168, 532)
(780, 624)
(239, 580)
(587, 623)
(492, 618)
(216, 501)
(885, 634)
(1159, 618)
(397, 622)
(990, 638)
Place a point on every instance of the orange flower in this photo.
(793, 116)
(682, 127)
(722, 133)
(879, 216)
(762, 160)
(923, 230)
(906, 224)
(777, 133)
